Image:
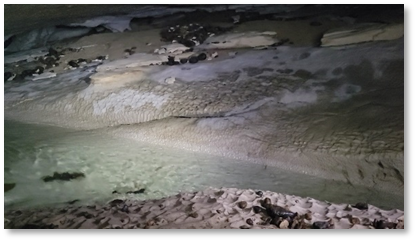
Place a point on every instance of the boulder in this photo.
(362, 33)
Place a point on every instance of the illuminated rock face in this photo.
(335, 113)
(362, 33)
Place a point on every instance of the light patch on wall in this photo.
(302, 95)
(127, 98)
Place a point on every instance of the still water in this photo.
(114, 164)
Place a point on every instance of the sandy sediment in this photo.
(213, 208)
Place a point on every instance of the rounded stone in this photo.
(266, 202)
(257, 209)
(193, 60)
(202, 56)
(249, 221)
(259, 193)
(242, 204)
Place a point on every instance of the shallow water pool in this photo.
(113, 164)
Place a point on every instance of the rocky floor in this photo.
(225, 208)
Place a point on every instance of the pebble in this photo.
(284, 224)
(170, 80)
(249, 221)
(242, 204)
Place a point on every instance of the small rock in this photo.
(125, 209)
(202, 56)
(115, 202)
(365, 222)
(82, 61)
(193, 215)
(321, 225)
(249, 221)
(266, 220)
(347, 208)
(284, 224)
(214, 55)
(170, 80)
(361, 206)
(73, 64)
(277, 211)
(308, 216)
(353, 220)
(380, 224)
(171, 61)
(219, 193)
(242, 204)
(295, 224)
(257, 209)
(150, 223)
(85, 215)
(266, 202)
(100, 58)
(161, 51)
(9, 76)
(128, 52)
(400, 223)
(259, 193)
(193, 60)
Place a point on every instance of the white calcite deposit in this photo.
(362, 33)
(240, 40)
